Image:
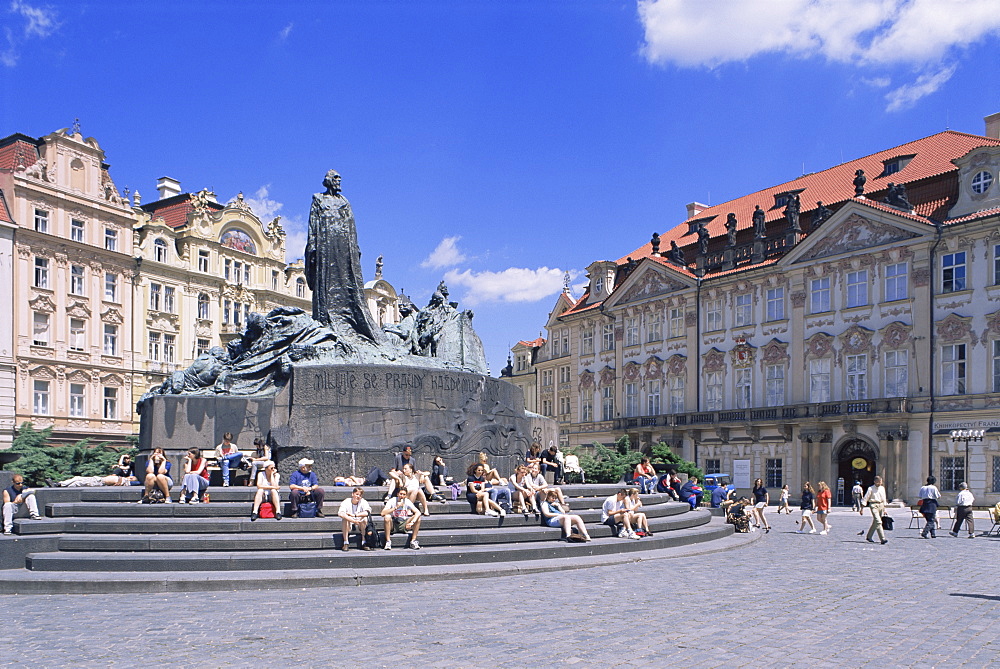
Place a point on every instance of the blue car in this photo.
(713, 481)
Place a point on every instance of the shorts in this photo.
(806, 513)
(553, 522)
(821, 512)
(399, 526)
(760, 505)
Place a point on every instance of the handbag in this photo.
(373, 538)
(307, 509)
(887, 522)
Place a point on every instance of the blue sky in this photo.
(495, 144)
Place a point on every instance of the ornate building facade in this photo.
(110, 296)
(830, 341)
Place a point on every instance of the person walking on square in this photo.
(875, 500)
(857, 492)
(760, 502)
(783, 502)
(823, 499)
(808, 497)
(963, 510)
(929, 496)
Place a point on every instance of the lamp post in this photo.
(967, 436)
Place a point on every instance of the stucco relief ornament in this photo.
(896, 334)
(714, 361)
(586, 380)
(992, 323)
(798, 299)
(856, 340)
(921, 277)
(632, 370)
(653, 368)
(953, 328)
(607, 376)
(775, 352)
(819, 345)
(742, 354)
(677, 365)
(274, 228)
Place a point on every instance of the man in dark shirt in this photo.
(720, 495)
(550, 463)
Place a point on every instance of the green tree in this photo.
(609, 465)
(39, 461)
(663, 454)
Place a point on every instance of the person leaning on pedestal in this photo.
(305, 486)
(13, 497)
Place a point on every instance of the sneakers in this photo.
(824, 533)
(971, 536)
(491, 513)
(7, 532)
(36, 517)
(623, 535)
(633, 535)
(183, 499)
(195, 500)
(415, 545)
(167, 500)
(388, 544)
(812, 531)
(803, 532)
(225, 484)
(954, 534)
(503, 513)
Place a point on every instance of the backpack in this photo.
(373, 538)
(266, 510)
(154, 497)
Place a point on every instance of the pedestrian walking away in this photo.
(875, 500)
(929, 496)
(963, 510)
(857, 492)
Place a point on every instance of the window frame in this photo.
(110, 239)
(899, 282)
(953, 272)
(776, 304)
(78, 280)
(856, 377)
(857, 289)
(77, 335)
(41, 273)
(774, 383)
(742, 310)
(900, 373)
(78, 230)
(109, 341)
(77, 401)
(819, 381)
(954, 369)
(819, 295)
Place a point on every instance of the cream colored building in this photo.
(844, 342)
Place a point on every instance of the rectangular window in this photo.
(246, 274)
(631, 331)
(608, 337)
(546, 407)
(996, 265)
(203, 262)
(776, 304)
(154, 345)
(160, 251)
(676, 321)
(547, 377)
(586, 408)
(953, 272)
(713, 315)
(110, 287)
(996, 473)
(226, 308)
(713, 466)
(168, 299)
(857, 288)
(896, 373)
(77, 334)
(169, 346)
(41, 272)
(41, 220)
(819, 380)
(653, 398)
(744, 388)
(608, 403)
(227, 271)
(743, 312)
(564, 336)
(564, 406)
(713, 391)
(237, 314)
(110, 239)
(996, 365)
(952, 472)
(155, 293)
(676, 394)
(110, 339)
(274, 280)
(41, 397)
(40, 328)
(76, 279)
(300, 288)
(110, 403)
(773, 477)
(587, 342)
(203, 307)
(201, 346)
(654, 327)
(521, 363)
(953, 369)
(564, 374)
(820, 295)
(857, 377)
(77, 230)
(775, 385)
(895, 282)
(76, 400)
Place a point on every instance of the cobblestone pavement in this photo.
(786, 600)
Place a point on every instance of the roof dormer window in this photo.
(893, 165)
(981, 182)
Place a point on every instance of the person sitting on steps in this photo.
(267, 487)
(639, 521)
(556, 516)
(305, 487)
(228, 456)
(477, 491)
(195, 477)
(616, 515)
(158, 474)
(401, 517)
(354, 512)
(13, 497)
(406, 458)
(409, 480)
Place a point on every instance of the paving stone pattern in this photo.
(784, 600)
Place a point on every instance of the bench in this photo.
(918, 518)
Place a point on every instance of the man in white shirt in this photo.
(354, 512)
(857, 492)
(963, 510)
(615, 513)
(875, 500)
(401, 517)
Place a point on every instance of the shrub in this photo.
(39, 461)
(609, 465)
(662, 454)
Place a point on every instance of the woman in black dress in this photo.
(760, 502)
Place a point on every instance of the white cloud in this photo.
(286, 31)
(446, 254)
(38, 22)
(923, 34)
(907, 95)
(296, 232)
(262, 205)
(514, 284)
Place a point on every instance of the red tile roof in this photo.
(174, 210)
(18, 149)
(534, 343)
(5, 210)
(985, 213)
(931, 195)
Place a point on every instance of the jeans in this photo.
(226, 462)
(195, 484)
(647, 484)
(499, 492)
(931, 524)
(10, 510)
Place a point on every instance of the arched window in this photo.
(300, 287)
(160, 251)
(203, 306)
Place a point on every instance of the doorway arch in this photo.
(857, 460)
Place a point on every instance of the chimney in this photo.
(695, 208)
(168, 187)
(993, 125)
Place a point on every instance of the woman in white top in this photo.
(875, 500)
(929, 496)
(783, 502)
(639, 521)
(267, 486)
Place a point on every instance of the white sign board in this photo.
(741, 473)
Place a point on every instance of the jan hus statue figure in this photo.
(333, 264)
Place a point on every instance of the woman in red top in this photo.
(823, 498)
(645, 476)
(195, 476)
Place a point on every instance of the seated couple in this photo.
(621, 513)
